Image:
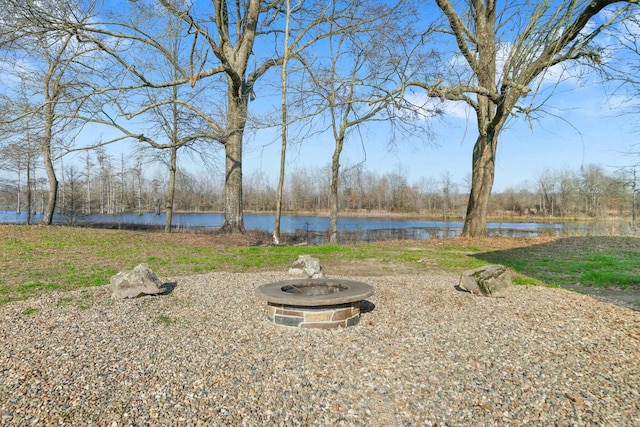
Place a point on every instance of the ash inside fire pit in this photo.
(311, 289)
(314, 303)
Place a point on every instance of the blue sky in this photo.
(584, 126)
(587, 130)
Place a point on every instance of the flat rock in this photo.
(488, 281)
(307, 266)
(135, 283)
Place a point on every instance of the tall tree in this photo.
(179, 117)
(231, 41)
(547, 184)
(223, 35)
(358, 82)
(285, 124)
(502, 52)
(449, 190)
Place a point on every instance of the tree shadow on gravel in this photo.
(605, 267)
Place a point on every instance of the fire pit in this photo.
(314, 303)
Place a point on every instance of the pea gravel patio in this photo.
(427, 354)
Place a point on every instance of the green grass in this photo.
(590, 261)
(525, 280)
(41, 259)
(604, 278)
(165, 320)
(20, 291)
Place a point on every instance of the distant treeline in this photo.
(115, 187)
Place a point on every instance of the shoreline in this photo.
(376, 214)
(429, 216)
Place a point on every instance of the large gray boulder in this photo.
(488, 281)
(135, 283)
(306, 267)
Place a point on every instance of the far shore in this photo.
(427, 216)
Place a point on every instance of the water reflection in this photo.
(313, 229)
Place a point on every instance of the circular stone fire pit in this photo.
(314, 303)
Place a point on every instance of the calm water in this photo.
(314, 228)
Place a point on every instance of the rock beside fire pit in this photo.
(307, 266)
(488, 281)
(135, 283)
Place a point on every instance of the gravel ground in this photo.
(427, 354)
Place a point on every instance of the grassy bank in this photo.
(37, 259)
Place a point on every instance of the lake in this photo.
(314, 228)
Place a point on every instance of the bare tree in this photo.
(59, 73)
(180, 120)
(19, 157)
(222, 36)
(427, 188)
(111, 100)
(503, 51)
(222, 48)
(449, 190)
(73, 202)
(284, 128)
(547, 183)
(105, 166)
(622, 74)
(593, 186)
(359, 82)
(231, 41)
(19, 146)
(632, 181)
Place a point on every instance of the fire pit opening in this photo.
(314, 303)
(311, 289)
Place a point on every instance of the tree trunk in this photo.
(18, 205)
(283, 148)
(276, 225)
(88, 173)
(28, 195)
(49, 114)
(634, 192)
(279, 191)
(171, 191)
(484, 156)
(236, 120)
(233, 221)
(49, 209)
(47, 218)
(333, 192)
